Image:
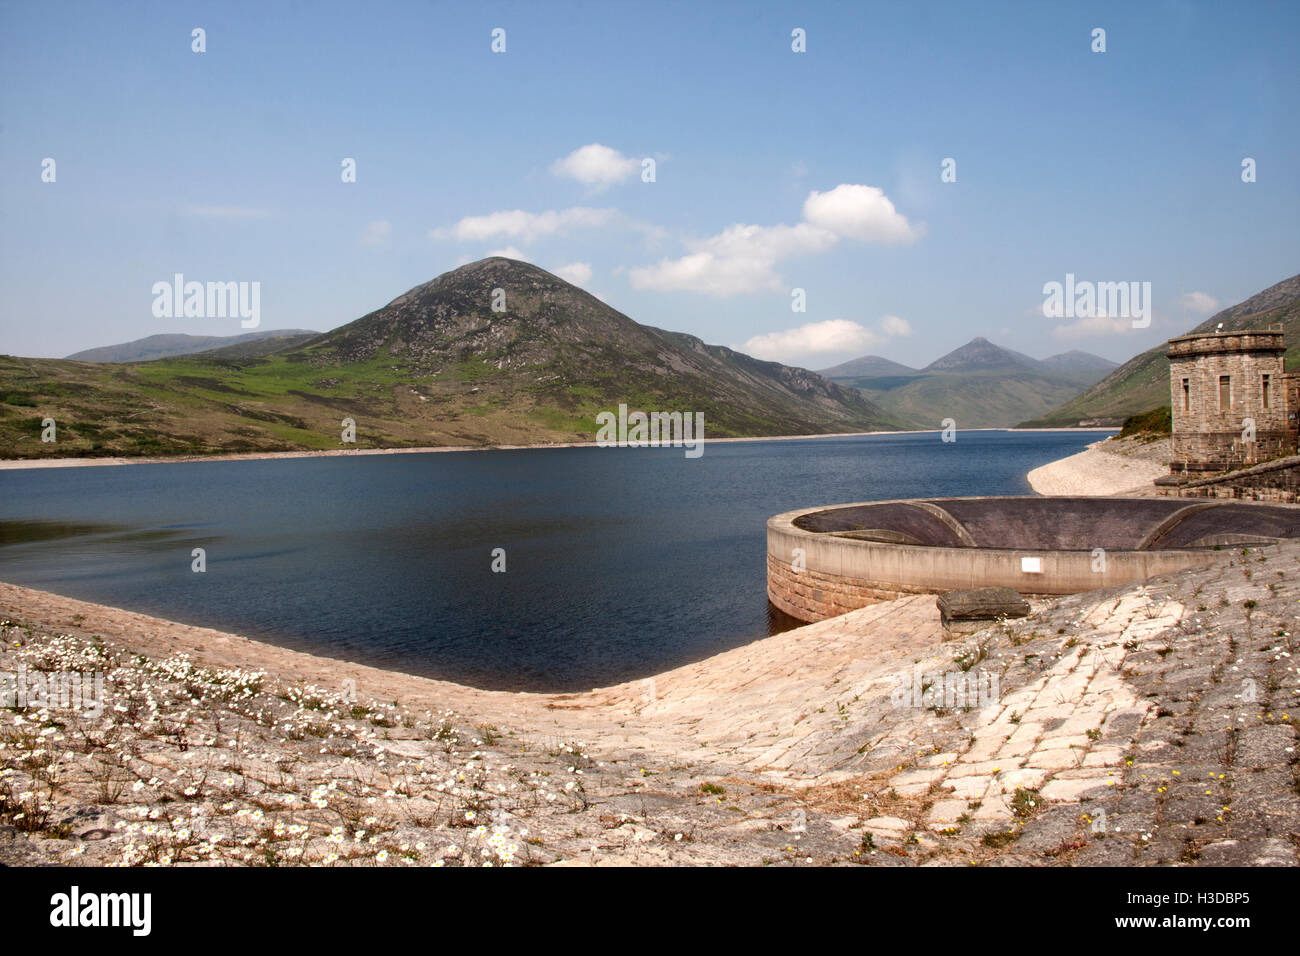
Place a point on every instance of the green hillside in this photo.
(171, 345)
(979, 385)
(436, 366)
(1142, 383)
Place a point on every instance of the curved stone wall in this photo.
(858, 554)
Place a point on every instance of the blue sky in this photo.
(774, 169)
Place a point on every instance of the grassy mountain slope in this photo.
(868, 366)
(436, 366)
(979, 385)
(168, 345)
(1142, 383)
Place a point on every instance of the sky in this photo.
(773, 170)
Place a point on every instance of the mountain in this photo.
(979, 355)
(436, 366)
(1082, 364)
(869, 366)
(1142, 383)
(979, 385)
(166, 346)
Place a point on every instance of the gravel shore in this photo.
(1115, 466)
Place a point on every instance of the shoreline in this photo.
(670, 721)
(1127, 467)
(9, 464)
(146, 633)
(707, 764)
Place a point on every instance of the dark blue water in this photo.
(620, 562)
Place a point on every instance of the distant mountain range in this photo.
(165, 346)
(436, 366)
(869, 366)
(979, 385)
(1142, 383)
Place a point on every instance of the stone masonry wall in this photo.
(1209, 438)
(1277, 481)
(816, 596)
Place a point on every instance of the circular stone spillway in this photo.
(822, 562)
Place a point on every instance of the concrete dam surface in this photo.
(825, 561)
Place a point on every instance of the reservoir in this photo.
(619, 562)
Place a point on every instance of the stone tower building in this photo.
(1291, 382)
(1230, 400)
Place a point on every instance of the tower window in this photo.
(1187, 394)
(1225, 393)
(1264, 391)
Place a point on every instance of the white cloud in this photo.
(743, 258)
(765, 242)
(825, 338)
(708, 274)
(509, 252)
(578, 273)
(739, 259)
(815, 338)
(525, 226)
(596, 165)
(1200, 302)
(1095, 325)
(893, 325)
(859, 212)
(376, 233)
